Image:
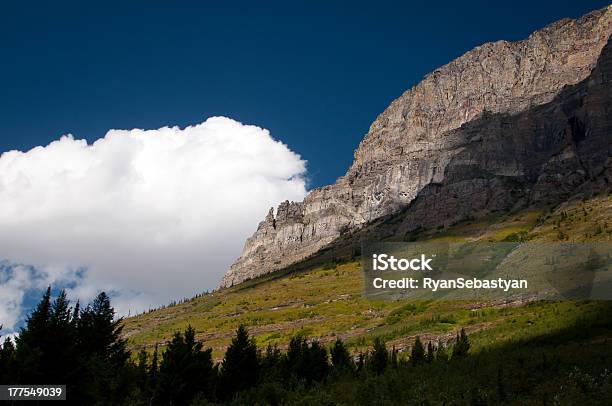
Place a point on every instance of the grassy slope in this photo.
(327, 301)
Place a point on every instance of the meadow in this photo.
(326, 301)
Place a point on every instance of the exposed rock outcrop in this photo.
(484, 132)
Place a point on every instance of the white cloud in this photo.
(14, 282)
(18, 280)
(154, 215)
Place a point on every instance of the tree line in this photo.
(83, 348)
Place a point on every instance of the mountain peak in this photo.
(423, 134)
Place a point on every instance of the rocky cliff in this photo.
(502, 125)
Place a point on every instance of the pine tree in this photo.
(340, 357)
(318, 365)
(61, 336)
(39, 319)
(60, 311)
(100, 335)
(441, 354)
(142, 368)
(306, 362)
(76, 313)
(151, 382)
(37, 323)
(295, 359)
(272, 364)
(33, 344)
(104, 374)
(360, 362)
(417, 355)
(394, 362)
(7, 361)
(430, 352)
(380, 356)
(462, 345)
(185, 370)
(240, 366)
(271, 357)
(144, 387)
(82, 349)
(153, 370)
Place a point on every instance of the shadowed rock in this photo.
(505, 125)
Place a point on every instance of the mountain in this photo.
(508, 125)
(325, 301)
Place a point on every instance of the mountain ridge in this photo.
(411, 144)
(324, 298)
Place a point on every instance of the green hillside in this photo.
(326, 301)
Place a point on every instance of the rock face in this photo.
(493, 129)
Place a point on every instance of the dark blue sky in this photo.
(316, 74)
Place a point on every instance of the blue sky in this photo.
(315, 74)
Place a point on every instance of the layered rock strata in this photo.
(473, 136)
